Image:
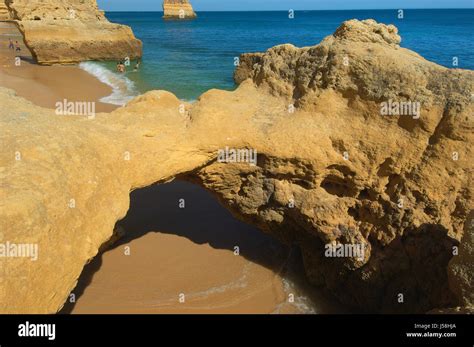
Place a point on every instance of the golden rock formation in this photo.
(4, 13)
(178, 9)
(65, 31)
(333, 169)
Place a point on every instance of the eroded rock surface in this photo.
(4, 13)
(405, 187)
(178, 9)
(461, 267)
(64, 31)
(331, 169)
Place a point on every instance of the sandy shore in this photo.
(161, 267)
(190, 251)
(46, 85)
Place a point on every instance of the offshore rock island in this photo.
(330, 168)
(178, 9)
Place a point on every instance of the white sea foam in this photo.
(302, 303)
(123, 89)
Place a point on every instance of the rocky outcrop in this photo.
(461, 268)
(384, 195)
(60, 31)
(178, 9)
(4, 13)
(333, 170)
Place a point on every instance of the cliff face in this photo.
(332, 168)
(4, 13)
(404, 188)
(461, 267)
(178, 9)
(60, 31)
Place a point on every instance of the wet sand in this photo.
(190, 251)
(171, 274)
(46, 85)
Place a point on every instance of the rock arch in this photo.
(48, 160)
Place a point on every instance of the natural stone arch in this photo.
(393, 206)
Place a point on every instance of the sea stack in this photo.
(64, 32)
(178, 9)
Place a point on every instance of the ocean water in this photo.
(191, 57)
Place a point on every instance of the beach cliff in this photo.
(4, 12)
(63, 32)
(333, 168)
(178, 9)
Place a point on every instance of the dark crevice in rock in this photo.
(338, 186)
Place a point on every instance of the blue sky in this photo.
(260, 5)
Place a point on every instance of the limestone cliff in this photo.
(4, 13)
(178, 9)
(65, 31)
(332, 168)
(461, 267)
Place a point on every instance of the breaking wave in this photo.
(123, 89)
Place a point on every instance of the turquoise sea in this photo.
(191, 57)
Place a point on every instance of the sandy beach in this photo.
(171, 274)
(46, 85)
(168, 254)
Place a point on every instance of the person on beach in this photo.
(11, 45)
(137, 66)
(121, 67)
(18, 48)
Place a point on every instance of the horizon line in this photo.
(348, 9)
